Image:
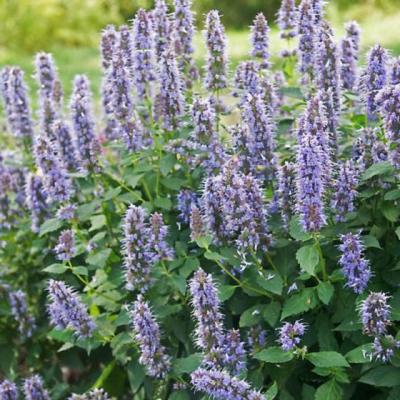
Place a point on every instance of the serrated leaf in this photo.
(97, 221)
(327, 359)
(371, 241)
(225, 292)
(392, 195)
(172, 183)
(163, 202)
(186, 365)
(212, 255)
(99, 259)
(55, 269)
(359, 355)
(308, 258)
(271, 313)
(272, 283)
(296, 230)
(390, 211)
(251, 316)
(330, 390)
(299, 303)
(167, 163)
(50, 225)
(204, 241)
(272, 391)
(383, 376)
(381, 168)
(133, 180)
(325, 292)
(274, 355)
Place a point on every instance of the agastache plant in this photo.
(287, 19)
(216, 67)
(290, 335)
(95, 394)
(348, 64)
(158, 233)
(65, 248)
(355, 267)
(148, 336)
(383, 348)
(65, 144)
(162, 28)
(19, 311)
(394, 75)
(8, 390)
(186, 199)
(260, 40)
(197, 225)
(36, 200)
(375, 313)
(34, 389)
(66, 311)
(353, 32)
(287, 190)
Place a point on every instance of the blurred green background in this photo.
(70, 28)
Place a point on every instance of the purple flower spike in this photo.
(34, 389)
(220, 385)
(233, 352)
(310, 184)
(95, 394)
(348, 68)
(206, 311)
(170, 98)
(375, 312)
(109, 39)
(143, 73)
(353, 33)
(290, 335)
(373, 79)
(260, 40)
(216, 78)
(126, 47)
(287, 19)
(158, 233)
(162, 28)
(197, 226)
(344, 192)
(355, 267)
(83, 124)
(19, 310)
(8, 390)
(148, 336)
(384, 347)
(394, 77)
(67, 311)
(65, 144)
(186, 199)
(287, 190)
(256, 338)
(65, 248)
(36, 201)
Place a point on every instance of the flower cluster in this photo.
(290, 334)
(19, 310)
(34, 389)
(65, 248)
(260, 40)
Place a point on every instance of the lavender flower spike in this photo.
(206, 311)
(353, 32)
(348, 67)
(142, 61)
(290, 335)
(394, 77)
(384, 347)
(197, 228)
(287, 190)
(216, 78)
(67, 311)
(36, 200)
(147, 334)
(344, 192)
(34, 390)
(19, 310)
(8, 390)
(220, 385)
(158, 233)
(162, 28)
(355, 267)
(65, 144)
(260, 40)
(138, 257)
(170, 97)
(375, 312)
(65, 248)
(310, 184)
(287, 19)
(233, 352)
(108, 42)
(374, 79)
(186, 198)
(95, 394)
(83, 124)
(388, 100)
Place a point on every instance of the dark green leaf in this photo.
(50, 225)
(55, 269)
(381, 168)
(186, 365)
(327, 359)
(299, 303)
(325, 291)
(274, 355)
(308, 258)
(383, 376)
(330, 390)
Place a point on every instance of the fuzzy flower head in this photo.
(384, 347)
(8, 390)
(348, 64)
(67, 311)
(247, 79)
(162, 28)
(197, 225)
(287, 190)
(158, 233)
(186, 198)
(216, 77)
(355, 267)
(290, 335)
(233, 352)
(65, 248)
(183, 31)
(36, 200)
(19, 311)
(95, 394)
(220, 385)
(34, 389)
(148, 336)
(260, 40)
(65, 144)
(206, 310)
(353, 32)
(109, 39)
(375, 313)
(394, 76)
(256, 338)
(287, 19)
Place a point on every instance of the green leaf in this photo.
(163, 202)
(186, 365)
(55, 269)
(213, 256)
(133, 180)
(359, 355)
(85, 211)
(180, 395)
(398, 232)
(99, 259)
(325, 291)
(383, 376)
(371, 241)
(308, 258)
(251, 316)
(293, 92)
(299, 303)
(381, 168)
(330, 390)
(50, 225)
(274, 355)
(172, 183)
(179, 283)
(327, 359)
(392, 195)
(80, 271)
(204, 241)
(136, 375)
(272, 312)
(111, 194)
(167, 163)
(97, 221)
(272, 391)
(225, 292)
(272, 283)
(390, 211)
(296, 230)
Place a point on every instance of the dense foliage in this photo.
(211, 234)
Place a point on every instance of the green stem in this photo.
(321, 258)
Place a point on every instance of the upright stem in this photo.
(321, 258)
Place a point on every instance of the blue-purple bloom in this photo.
(8, 390)
(355, 267)
(65, 248)
(66, 310)
(348, 64)
(147, 334)
(290, 335)
(233, 352)
(158, 233)
(56, 181)
(36, 200)
(162, 28)
(19, 311)
(388, 100)
(197, 226)
(394, 76)
(287, 19)
(344, 190)
(374, 79)
(65, 144)
(34, 389)
(83, 124)
(247, 79)
(66, 212)
(260, 40)
(95, 394)
(220, 385)
(216, 68)
(384, 347)
(287, 190)
(186, 199)
(126, 47)
(375, 313)
(256, 338)
(353, 33)
(143, 69)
